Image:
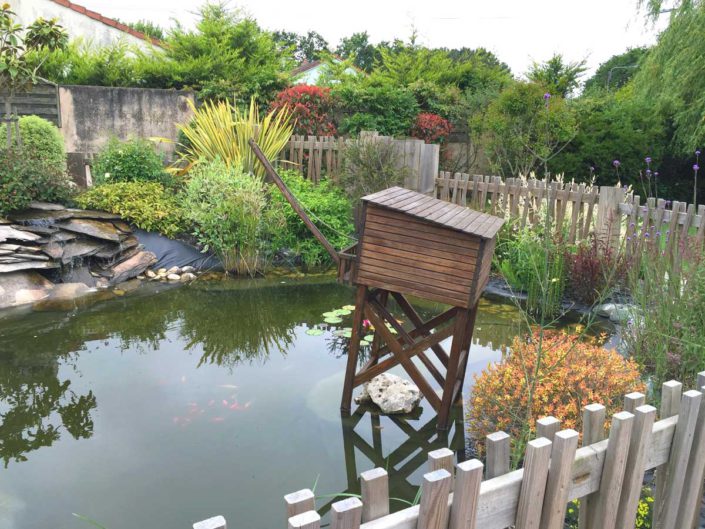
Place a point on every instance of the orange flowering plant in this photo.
(551, 374)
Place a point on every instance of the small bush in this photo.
(431, 128)
(134, 160)
(41, 141)
(593, 269)
(370, 166)
(571, 374)
(310, 108)
(230, 214)
(331, 211)
(147, 205)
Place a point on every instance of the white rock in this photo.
(188, 269)
(391, 393)
(150, 274)
(605, 310)
(161, 271)
(174, 277)
(187, 276)
(173, 270)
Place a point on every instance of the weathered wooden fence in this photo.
(577, 211)
(42, 100)
(316, 157)
(606, 475)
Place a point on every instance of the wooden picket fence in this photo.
(578, 211)
(317, 157)
(606, 475)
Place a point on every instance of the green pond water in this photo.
(171, 405)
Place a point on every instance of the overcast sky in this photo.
(518, 31)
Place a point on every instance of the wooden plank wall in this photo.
(317, 157)
(42, 101)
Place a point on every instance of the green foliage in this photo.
(614, 126)
(147, 205)
(135, 160)
(329, 208)
(617, 71)
(522, 130)
(644, 511)
(670, 77)
(358, 47)
(370, 166)
(41, 141)
(531, 262)
(15, 190)
(230, 215)
(309, 47)
(665, 335)
(149, 28)
(388, 109)
(558, 77)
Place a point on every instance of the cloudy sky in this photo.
(518, 31)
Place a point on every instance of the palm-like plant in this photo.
(221, 130)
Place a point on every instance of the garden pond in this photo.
(170, 405)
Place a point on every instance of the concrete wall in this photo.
(78, 21)
(90, 115)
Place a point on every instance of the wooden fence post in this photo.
(689, 510)
(305, 520)
(434, 508)
(547, 427)
(670, 405)
(609, 221)
(346, 514)
(463, 511)
(565, 444)
(533, 484)
(442, 458)
(607, 503)
(216, 522)
(593, 432)
(374, 485)
(298, 502)
(497, 447)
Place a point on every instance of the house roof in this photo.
(108, 21)
(435, 211)
(310, 65)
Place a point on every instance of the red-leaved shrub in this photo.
(593, 270)
(431, 128)
(311, 108)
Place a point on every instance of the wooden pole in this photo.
(272, 174)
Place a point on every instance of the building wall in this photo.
(90, 115)
(78, 25)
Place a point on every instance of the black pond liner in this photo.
(171, 253)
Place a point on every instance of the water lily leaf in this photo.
(330, 314)
(349, 307)
(314, 332)
(341, 312)
(347, 334)
(369, 337)
(332, 320)
(364, 342)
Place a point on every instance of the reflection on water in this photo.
(164, 408)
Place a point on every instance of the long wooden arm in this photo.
(274, 177)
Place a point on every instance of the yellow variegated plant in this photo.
(221, 130)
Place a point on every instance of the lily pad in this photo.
(343, 333)
(330, 314)
(342, 312)
(369, 337)
(364, 342)
(314, 332)
(349, 307)
(332, 320)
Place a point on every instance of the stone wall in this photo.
(90, 115)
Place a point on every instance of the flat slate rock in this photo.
(122, 226)
(10, 233)
(92, 214)
(39, 217)
(132, 267)
(18, 288)
(63, 236)
(46, 206)
(53, 250)
(80, 249)
(26, 265)
(40, 230)
(92, 228)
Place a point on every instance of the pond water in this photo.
(167, 406)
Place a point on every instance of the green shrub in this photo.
(147, 205)
(230, 215)
(42, 141)
(24, 178)
(134, 160)
(330, 209)
(370, 166)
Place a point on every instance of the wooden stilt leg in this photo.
(354, 349)
(456, 349)
(466, 350)
(377, 340)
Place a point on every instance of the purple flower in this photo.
(546, 96)
(646, 235)
(592, 168)
(656, 173)
(696, 167)
(616, 163)
(647, 159)
(697, 153)
(648, 172)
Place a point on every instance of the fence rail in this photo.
(316, 157)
